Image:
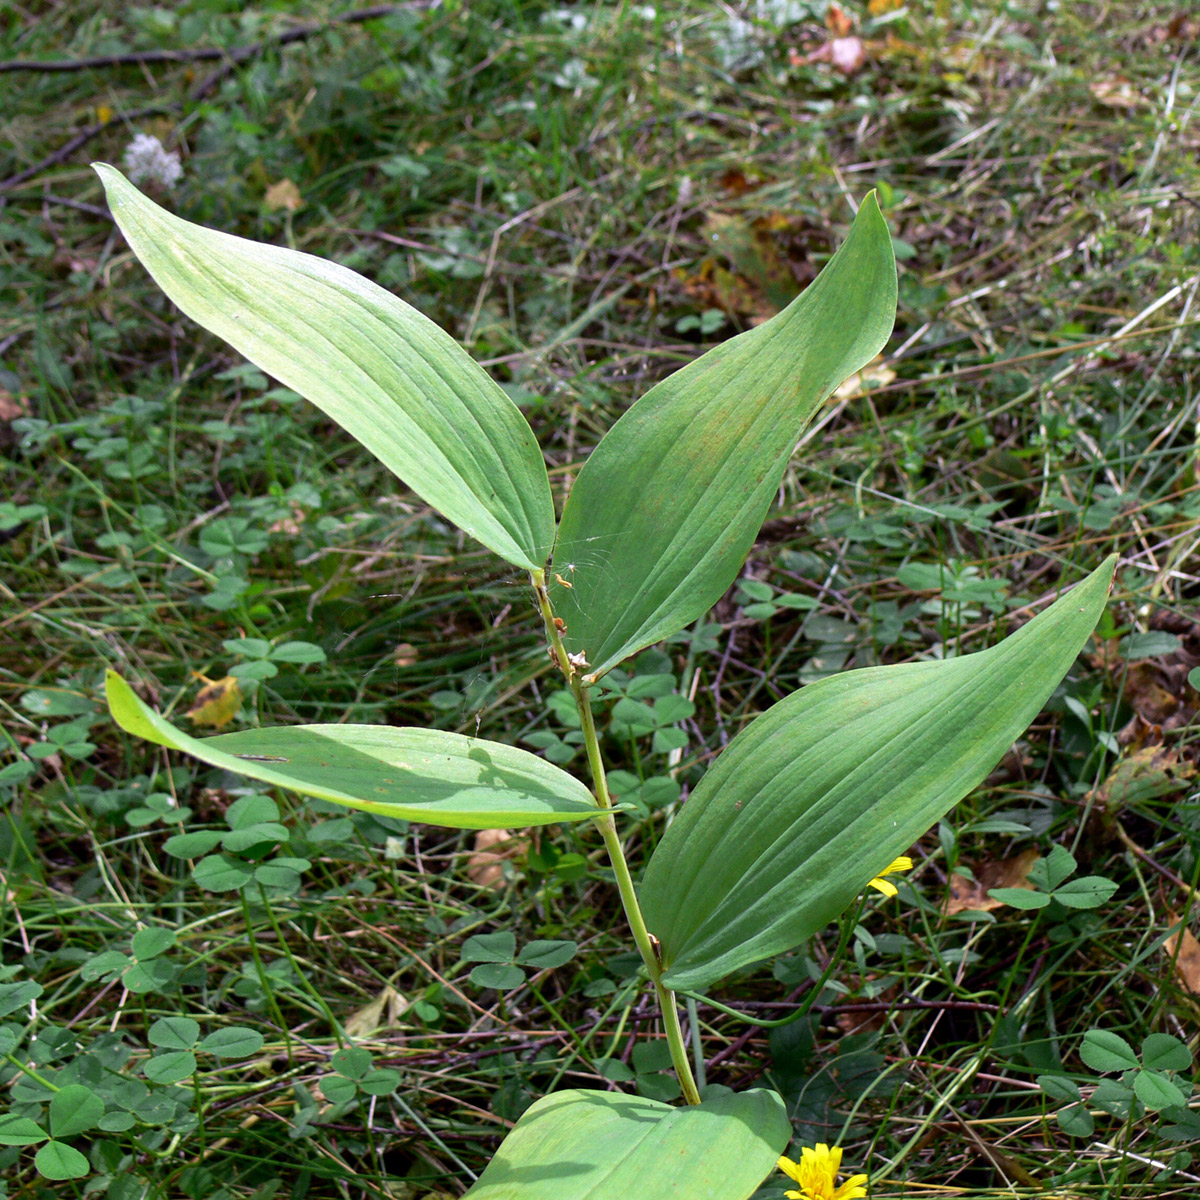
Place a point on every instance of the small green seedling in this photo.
(812, 800)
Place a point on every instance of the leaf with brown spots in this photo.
(217, 703)
(1146, 773)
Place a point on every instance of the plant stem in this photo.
(646, 943)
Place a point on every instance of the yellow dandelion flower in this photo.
(816, 1173)
(880, 884)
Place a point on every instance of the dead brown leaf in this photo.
(1115, 91)
(282, 196)
(492, 846)
(384, 1012)
(873, 375)
(1187, 964)
(12, 406)
(838, 21)
(973, 896)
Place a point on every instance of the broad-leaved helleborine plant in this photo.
(815, 798)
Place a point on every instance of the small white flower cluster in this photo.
(146, 160)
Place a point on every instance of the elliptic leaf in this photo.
(387, 375)
(1058, 1087)
(1113, 1098)
(20, 1131)
(57, 1160)
(498, 947)
(381, 1082)
(545, 955)
(232, 1043)
(1156, 1091)
(1162, 1052)
(171, 1067)
(1075, 1120)
(352, 1061)
(74, 1109)
(1106, 1051)
(413, 774)
(338, 1089)
(578, 1145)
(1019, 898)
(503, 977)
(151, 942)
(17, 995)
(817, 795)
(667, 506)
(220, 873)
(1088, 891)
(174, 1033)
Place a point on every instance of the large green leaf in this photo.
(666, 509)
(388, 375)
(818, 794)
(580, 1145)
(413, 774)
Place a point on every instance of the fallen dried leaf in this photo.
(1116, 92)
(1145, 773)
(838, 21)
(973, 896)
(12, 406)
(492, 846)
(284, 195)
(1187, 960)
(384, 1012)
(873, 375)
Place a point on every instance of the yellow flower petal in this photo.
(880, 884)
(789, 1168)
(817, 1172)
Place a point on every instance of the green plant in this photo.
(807, 805)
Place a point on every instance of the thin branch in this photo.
(232, 58)
(238, 54)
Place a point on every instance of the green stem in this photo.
(305, 983)
(264, 981)
(646, 943)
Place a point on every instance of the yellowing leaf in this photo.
(217, 703)
(384, 1012)
(878, 7)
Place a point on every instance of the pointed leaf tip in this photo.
(425, 775)
(395, 381)
(819, 793)
(667, 506)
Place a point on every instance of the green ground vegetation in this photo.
(212, 992)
